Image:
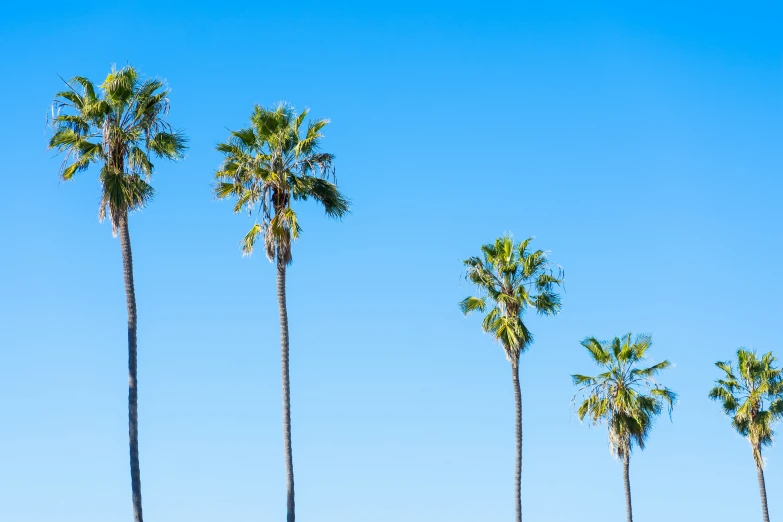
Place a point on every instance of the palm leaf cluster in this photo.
(270, 163)
(120, 125)
(751, 393)
(624, 397)
(511, 279)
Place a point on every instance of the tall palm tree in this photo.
(266, 167)
(512, 279)
(752, 395)
(119, 126)
(624, 397)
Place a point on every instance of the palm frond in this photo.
(119, 85)
(321, 190)
(471, 304)
(651, 371)
(249, 241)
(309, 144)
(597, 351)
(169, 145)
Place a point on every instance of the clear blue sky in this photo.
(641, 145)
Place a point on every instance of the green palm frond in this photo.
(583, 379)
(598, 352)
(169, 145)
(309, 144)
(326, 193)
(138, 162)
(512, 283)
(268, 165)
(78, 165)
(65, 138)
(547, 303)
(77, 123)
(250, 239)
(119, 85)
(224, 190)
(151, 101)
(652, 371)
(640, 346)
(244, 139)
(624, 397)
(122, 192)
(470, 304)
(69, 99)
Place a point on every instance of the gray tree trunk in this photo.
(627, 480)
(518, 472)
(133, 407)
(289, 464)
(762, 486)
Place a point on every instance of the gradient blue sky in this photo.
(641, 145)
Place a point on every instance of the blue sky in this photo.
(640, 145)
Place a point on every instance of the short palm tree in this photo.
(624, 397)
(266, 167)
(121, 126)
(512, 279)
(752, 395)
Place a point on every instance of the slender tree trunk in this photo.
(289, 464)
(518, 473)
(762, 484)
(627, 481)
(133, 407)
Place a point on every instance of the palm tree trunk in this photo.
(289, 464)
(518, 475)
(762, 484)
(627, 480)
(133, 407)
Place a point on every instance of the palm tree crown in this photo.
(624, 396)
(752, 395)
(513, 279)
(121, 125)
(268, 164)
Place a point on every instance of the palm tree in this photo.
(266, 167)
(624, 397)
(752, 395)
(511, 279)
(120, 126)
